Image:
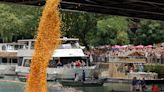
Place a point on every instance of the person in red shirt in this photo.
(78, 63)
(155, 88)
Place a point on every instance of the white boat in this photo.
(63, 64)
(124, 69)
(8, 58)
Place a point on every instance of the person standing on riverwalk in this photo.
(76, 77)
(134, 84)
(83, 75)
(143, 85)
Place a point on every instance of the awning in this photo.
(8, 54)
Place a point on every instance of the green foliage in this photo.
(149, 32)
(18, 21)
(155, 68)
(112, 30)
(79, 24)
(21, 21)
(122, 38)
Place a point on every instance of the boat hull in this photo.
(1, 74)
(87, 83)
(59, 73)
(69, 73)
(7, 69)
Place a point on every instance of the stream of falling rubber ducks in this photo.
(46, 42)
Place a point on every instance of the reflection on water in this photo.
(10, 78)
(107, 88)
(11, 87)
(120, 87)
(19, 87)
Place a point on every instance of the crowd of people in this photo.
(76, 63)
(151, 53)
(138, 85)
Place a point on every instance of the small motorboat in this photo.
(1, 75)
(86, 83)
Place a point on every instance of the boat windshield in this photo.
(11, 46)
(27, 62)
(65, 44)
(5, 61)
(62, 62)
(69, 45)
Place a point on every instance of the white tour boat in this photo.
(8, 58)
(68, 60)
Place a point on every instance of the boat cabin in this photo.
(66, 60)
(8, 52)
(127, 68)
(8, 57)
(69, 53)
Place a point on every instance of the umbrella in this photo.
(116, 46)
(124, 46)
(149, 46)
(139, 46)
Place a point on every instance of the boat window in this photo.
(14, 60)
(16, 47)
(70, 60)
(26, 45)
(32, 45)
(3, 47)
(4, 60)
(10, 47)
(10, 61)
(77, 45)
(21, 46)
(52, 64)
(27, 62)
(66, 60)
(20, 61)
(69, 44)
(66, 46)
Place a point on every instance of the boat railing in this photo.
(141, 75)
(67, 43)
(74, 67)
(10, 47)
(8, 64)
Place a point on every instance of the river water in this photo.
(107, 87)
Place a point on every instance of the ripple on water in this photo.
(11, 87)
(16, 86)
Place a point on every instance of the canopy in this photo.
(69, 53)
(139, 46)
(149, 46)
(116, 46)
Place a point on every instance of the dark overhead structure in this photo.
(150, 9)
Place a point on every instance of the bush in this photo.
(155, 68)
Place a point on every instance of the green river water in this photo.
(107, 87)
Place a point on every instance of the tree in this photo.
(79, 24)
(149, 32)
(18, 21)
(122, 38)
(112, 30)
(8, 22)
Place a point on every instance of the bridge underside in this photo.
(150, 9)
